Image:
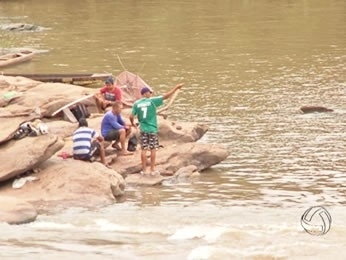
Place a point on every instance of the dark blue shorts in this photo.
(94, 151)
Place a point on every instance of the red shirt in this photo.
(111, 95)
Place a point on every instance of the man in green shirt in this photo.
(145, 110)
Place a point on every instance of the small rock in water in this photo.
(314, 109)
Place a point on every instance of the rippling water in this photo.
(248, 66)
(170, 232)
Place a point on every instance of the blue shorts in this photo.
(94, 150)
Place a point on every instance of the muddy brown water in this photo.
(247, 66)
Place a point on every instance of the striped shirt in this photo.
(82, 139)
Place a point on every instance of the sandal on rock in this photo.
(142, 173)
(155, 173)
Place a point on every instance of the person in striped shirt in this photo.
(87, 143)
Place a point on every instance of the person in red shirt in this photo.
(108, 95)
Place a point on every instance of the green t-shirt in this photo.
(145, 110)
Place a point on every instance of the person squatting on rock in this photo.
(87, 143)
(114, 128)
(145, 111)
(108, 94)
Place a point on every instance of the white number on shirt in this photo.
(144, 110)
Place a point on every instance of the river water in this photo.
(247, 67)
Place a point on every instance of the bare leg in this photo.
(144, 160)
(128, 132)
(98, 103)
(152, 159)
(116, 145)
(102, 153)
(122, 142)
(122, 139)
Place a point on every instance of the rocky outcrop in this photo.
(62, 181)
(175, 156)
(45, 97)
(66, 182)
(16, 211)
(19, 84)
(9, 126)
(179, 149)
(20, 156)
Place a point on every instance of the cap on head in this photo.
(109, 81)
(82, 122)
(145, 90)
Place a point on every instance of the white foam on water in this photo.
(212, 234)
(106, 225)
(201, 252)
(222, 252)
(51, 225)
(209, 234)
(280, 248)
(61, 65)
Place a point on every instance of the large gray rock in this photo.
(62, 128)
(180, 150)
(20, 156)
(175, 156)
(176, 132)
(45, 97)
(180, 132)
(315, 109)
(21, 27)
(8, 127)
(16, 211)
(67, 182)
(64, 182)
(142, 180)
(19, 84)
